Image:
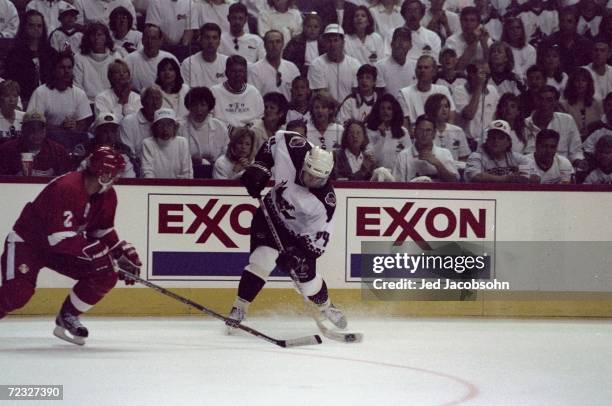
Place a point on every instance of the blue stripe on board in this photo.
(226, 264)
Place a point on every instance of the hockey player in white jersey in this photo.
(301, 205)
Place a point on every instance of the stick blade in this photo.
(300, 341)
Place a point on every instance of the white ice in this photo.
(189, 361)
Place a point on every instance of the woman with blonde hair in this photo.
(238, 156)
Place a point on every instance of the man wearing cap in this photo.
(166, 155)
(67, 37)
(32, 153)
(396, 71)
(495, 162)
(106, 132)
(334, 71)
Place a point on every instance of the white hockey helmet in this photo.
(319, 164)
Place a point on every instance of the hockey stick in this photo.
(293, 342)
(332, 335)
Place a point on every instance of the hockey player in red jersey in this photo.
(301, 205)
(69, 228)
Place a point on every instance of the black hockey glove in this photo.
(255, 178)
(291, 259)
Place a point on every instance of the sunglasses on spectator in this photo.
(279, 79)
(236, 47)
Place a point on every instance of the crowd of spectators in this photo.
(510, 91)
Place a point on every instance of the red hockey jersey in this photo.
(64, 218)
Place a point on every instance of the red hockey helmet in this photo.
(105, 163)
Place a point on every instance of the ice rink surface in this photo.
(190, 361)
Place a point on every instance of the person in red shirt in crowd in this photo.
(46, 157)
(69, 228)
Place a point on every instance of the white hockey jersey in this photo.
(306, 214)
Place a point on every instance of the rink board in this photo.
(194, 237)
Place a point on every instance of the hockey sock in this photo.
(68, 307)
(321, 297)
(250, 285)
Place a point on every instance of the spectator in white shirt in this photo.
(206, 135)
(281, 16)
(447, 74)
(334, 71)
(387, 17)
(304, 48)
(441, 21)
(237, 103)
(545, 117)
(299, 104)
(386, 132)
(357, 105)
(602, 174)
(237, 41)
(509, 110)
(447, 135)
(119, 99)
(472, 42)
(166, 155)
(424, 158)
(50, 9)
(275, 117)
(68, 36)
(207, 67)
(126, 39)
(238, 156)
(494, 161)
(321, 130)
(424, 41)
(173, 17)
(9, 24)
(412, 98)
(524, 53)
(579, 100)
(143, 63)
(273, 74)
(549, 59)
(136, 127)
(173, 88)
(10, 117)
(599, 68)
(91, 67)
(396, 71)
(501, 64)
(65, 106)
(99, 10)
(551, 167)
(476, 102)
(361, 41)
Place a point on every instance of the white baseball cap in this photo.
(163, 114)
(500, 125)
(333, 29)
(106, 118)
(65, 7)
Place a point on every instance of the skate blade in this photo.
(60, 333)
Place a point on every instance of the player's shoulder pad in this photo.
(327, 196)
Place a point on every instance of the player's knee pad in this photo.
(262, 261)
(14, 294)
(312, 286)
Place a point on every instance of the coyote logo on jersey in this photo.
(283, 205)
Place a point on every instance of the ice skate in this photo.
(334, 315)
(237, 314)
(69, 323)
